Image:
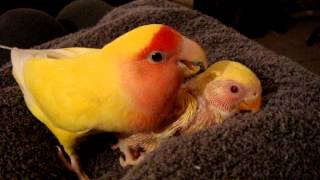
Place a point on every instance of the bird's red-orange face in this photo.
(156, 67)
(156, 75)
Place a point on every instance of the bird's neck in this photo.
(207, 114)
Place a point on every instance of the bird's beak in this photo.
(252, 105)
(192, 59)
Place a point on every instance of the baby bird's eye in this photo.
(157, 57)
(234, 89)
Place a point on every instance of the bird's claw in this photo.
(131, 157)
(63, 158)
(114, 146)
(73, 165)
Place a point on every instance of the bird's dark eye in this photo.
(157, 57)
(234, 89)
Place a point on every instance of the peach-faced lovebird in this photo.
(128, 86)
(225, 88)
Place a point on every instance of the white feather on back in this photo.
(20, 56)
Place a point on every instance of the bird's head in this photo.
(154, 60)
(230, 86)
(154, 48)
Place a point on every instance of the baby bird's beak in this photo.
(252, 105)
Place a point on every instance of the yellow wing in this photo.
(70, 89)
(20, 56)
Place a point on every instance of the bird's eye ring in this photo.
(157, 57)
(234, 89)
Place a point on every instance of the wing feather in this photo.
(19, 58)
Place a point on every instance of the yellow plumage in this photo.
(226, 70)
(72, 95)
(76, 90)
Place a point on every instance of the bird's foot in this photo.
(130, 157)
(114, 146)
(135, 147)
(73, 165)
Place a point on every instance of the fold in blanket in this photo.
(280, 142)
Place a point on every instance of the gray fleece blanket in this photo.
(282, 141)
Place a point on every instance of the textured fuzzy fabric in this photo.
(81, 14)
(280, 142)
(25, 27)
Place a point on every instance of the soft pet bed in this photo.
(282, 141)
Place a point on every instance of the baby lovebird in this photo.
(128, 86)
(224, 89)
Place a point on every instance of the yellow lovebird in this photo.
(128, 86)
(224, 89)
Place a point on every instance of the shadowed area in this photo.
(280, 142)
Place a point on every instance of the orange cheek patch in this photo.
(152, 84)
(150, 89)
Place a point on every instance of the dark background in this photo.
(288, 27)
(52, 7)
(251, 17)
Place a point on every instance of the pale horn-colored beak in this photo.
(192, 59)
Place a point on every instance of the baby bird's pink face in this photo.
(228, 95)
